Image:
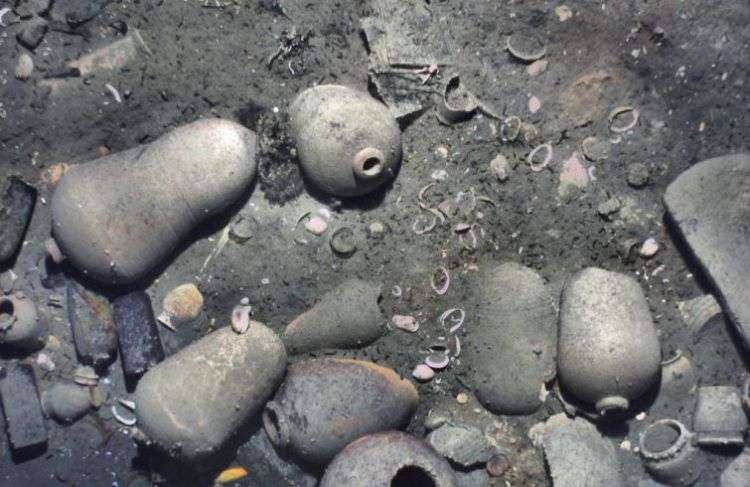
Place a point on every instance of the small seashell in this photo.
(510, 129)
(86, 376)
(461, 227)
(342, 242)
(526, 45)
(539, 166)
(241, 318)
(181, 305)
(618, 115)
(534, 104)
(500, 167)
(537, 67)
(423, 373)
(242, 228)
(53, 251)
(649, 248)
(462, 398)
(127, 403)
(440, 280)
(437, 360)
(24, 67)
(396, 291)
(316, 225)
(406, 323)
(420, 228)
(376, 229)
(595, 149)
(454, 346)
(125, 419)
(452, 319)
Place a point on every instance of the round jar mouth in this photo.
(275, 425)
(369, 163)
(671, 447)
(411, 475)
(611, 405)
(7, 313)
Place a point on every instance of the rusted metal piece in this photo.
(391, 459)
(324, 404)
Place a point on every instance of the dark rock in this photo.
(76, 12)
(32, 32)
(29, 8)
(271, 469)
(92, 326)
(16, 205)
(710, 206)
(23, 412)
(137, 333)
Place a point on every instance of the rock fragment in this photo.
(511, 352)
(575, 450)
(608, 208)
(137, 333)
(464, 445)
(346, 317)
(29, 8)
(67, 402)
(391, 459)
(16, 205)
(608, 351)
(214, 385)
(324, 404)
(92, 325)
(709, 204)
(32, 32)
(649, 248)
(24, 421)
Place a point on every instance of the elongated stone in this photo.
(92, 325)
(137, 333)
(16, 205)
(24, 421)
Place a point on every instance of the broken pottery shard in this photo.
(347, 317)
(92, 325)
(117, 218)
(696, 312)
(403, 36)
(137, 333)
(710, 206)
(719, 418)
(511, 352)
(16, 205)
(23, 413)
(193, 402)
(738, 471)
(464, 445)
(575, 450)
(391, 459)
(22, 325)
(608, 351)
(324, 404)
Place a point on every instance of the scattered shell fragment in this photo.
(500, 167)
(526, 45)
(457, 103)
(649, 248)
(231, 474)
(24, 67)
(440, 280)
(510, 129)
(534, 163)
(406, 323)
(423, 373)
(126, 419)
(376, 229)
(530, 133)
(619, 122)
(563, 13)
(396, 291)
(497, 465)
(241, 318)
(53, 251)
(181, 305)
(342, 242)
(437, 360)
(462, 398)
(454, 346)
(86, 376)
(127, 403)
(242, 228)
(316, 225)
(534, 104)
(537, 67)
(595, 149)
(453, 319)
(424, 223)
(461, 227)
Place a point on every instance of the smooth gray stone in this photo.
(710, 206)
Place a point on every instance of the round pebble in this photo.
(649, 248)
(423, 373)
(638, 175)
(316, 225)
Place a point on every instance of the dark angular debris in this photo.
(29, 8)
(16, 205)
(464, 445)
(24, 420)
(137, 333)
(32, 32)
